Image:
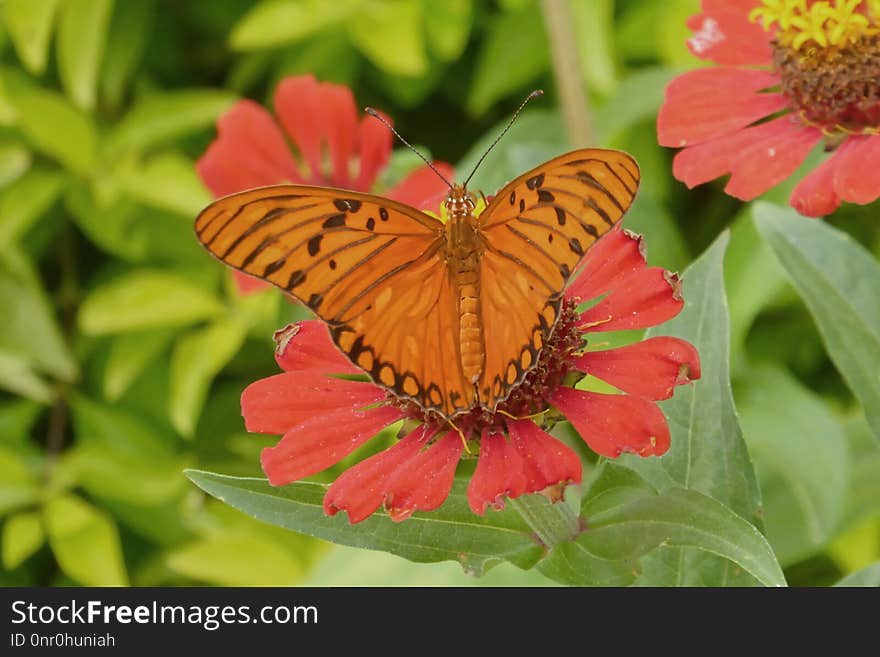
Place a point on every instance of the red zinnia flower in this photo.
(324, 418)
(334, 149)
(794, 73)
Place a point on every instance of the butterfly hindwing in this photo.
(536, 231)
(368, 266)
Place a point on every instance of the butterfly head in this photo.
(460, 203)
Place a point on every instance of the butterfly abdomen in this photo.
(464, 251)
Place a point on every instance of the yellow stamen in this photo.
(823, 23)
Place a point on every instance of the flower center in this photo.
(526, 399)
(828, 58)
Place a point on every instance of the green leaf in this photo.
(636, 99)
(838, 280)
(593, 25)
(236, 560)
(197, 358)
(168, 182)
(30, 328)
(85, 542)
(390, 35)
(15, 159)
(17, 376)
(447, 26)
(82, 35)
(276, 22)
(347, 566)
(19, 486)
(129, 29)
(27, 200)
(803, 462)
(29, 24)
(165, 117)
(868, 576)
(121, 457)
(145, 299)
(130, 353)
(452, 532)
(513, 54)
(707, 452)
(681, 518)
(863, 499)
(51, 124)
(23, 535)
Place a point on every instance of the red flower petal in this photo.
(647, 298)
(306, 347)
(423, 188)
(651, 368)
(857, 174)
(375, 141)
(322, 440)
(250, 151)
(425, 482)
(761, 166)
(339, 121)
(615, 257)
(724, 34)
(298, 106)
(277, 403)
(528, 461)
(248, 284)
(361, 489)
(759, 157)
(814, 195)
(712, 102)
(612, 424)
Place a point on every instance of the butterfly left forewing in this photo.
(536, 231)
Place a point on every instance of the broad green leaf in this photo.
(23, 535)
(196, 359)
(15, 159)
(29, 24)
(51, 124)
(129, 30)
(537, 136)
(145, 299)
(236, 560)
(17, 418)
(27, 200)
(707, 452)
(838, 280)
(130, 353)
(863, 498)
(593, 26)
(347, 566)
(168, 182)
(118, 226)
(452, 532)
(868, 576)
(802, 459)
(636, 99)
(447, 26)
(681, 518)
(120, 456)
(857, 547)
(164, 117)
(30, 327)
(19, 486)
(82, 35)
(390, 35)
(276, 22)
(85, 542)
(17, 376)
(512, 55)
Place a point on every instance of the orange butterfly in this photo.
(449, 315)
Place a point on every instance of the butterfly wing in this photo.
(368, 266)
(536, 230)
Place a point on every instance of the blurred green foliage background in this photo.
(124, 347)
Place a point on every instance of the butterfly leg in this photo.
(522, 417)
(461, 434)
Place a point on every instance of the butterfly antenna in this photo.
(534, 94)
(375, 114)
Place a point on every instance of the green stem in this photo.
(570, 83)
(553, 523)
